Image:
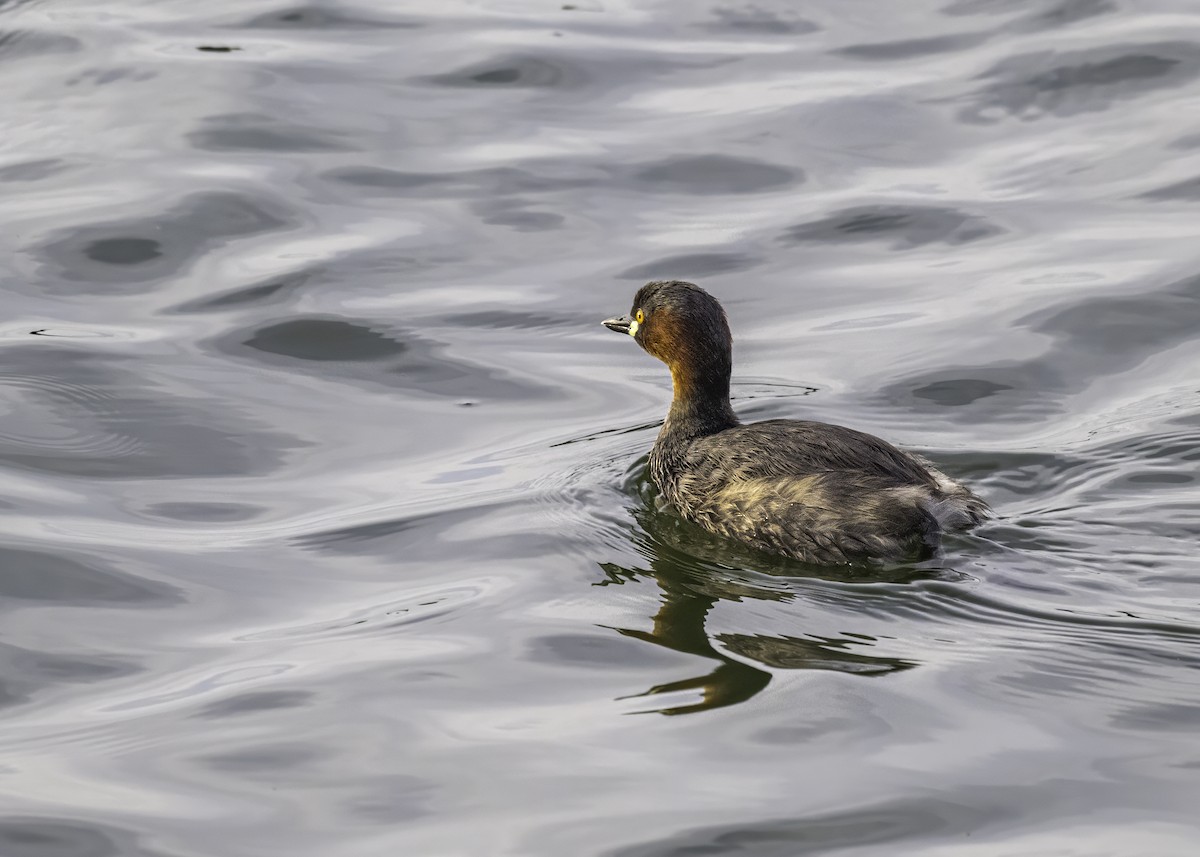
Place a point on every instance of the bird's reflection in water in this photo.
(695, 570)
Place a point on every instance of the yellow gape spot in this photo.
(633, 326)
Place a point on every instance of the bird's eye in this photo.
(640, 318)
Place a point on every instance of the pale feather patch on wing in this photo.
(804, 490)
(821, 518)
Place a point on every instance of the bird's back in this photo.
(813, 491)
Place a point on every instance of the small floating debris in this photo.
(75, 333)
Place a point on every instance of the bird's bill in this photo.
(623, 324)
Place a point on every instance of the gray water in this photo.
(323, 521)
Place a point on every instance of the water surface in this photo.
(323, 526)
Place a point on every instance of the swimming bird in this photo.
(812, 491)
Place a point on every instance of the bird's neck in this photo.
(698, 410)
(700, 405)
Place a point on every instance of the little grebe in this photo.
(816, 492)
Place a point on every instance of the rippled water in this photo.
(323, 528)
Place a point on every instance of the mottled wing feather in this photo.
(781, 448)
(827, 518)
(817, 492)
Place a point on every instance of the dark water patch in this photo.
(259, 759)
(109, 74)
(274, 291)
(514, 72)
(687, 266)
(12, 693)
(204, 512)
(361, 538)
(1042, 14)
(23, 44)
(526, 221)
(76, 414)
(29, 575)
(1188, 190)
(44, 836)
(955, 392)
(256, 702)
(904, 227)
(890, 824)
(514, 213)
(1163, 716)
(123, 251)
(1066, 13)
(1150, 479)
(507, 319)
(316, 17)
(1189, 420)
(122, 256)
(910, 48)
(378, 537)
(26, 672)
(714, 175)
(217, 49)
(255, 132)
(325, 339)
(392, 799)
(983, 7)
(751, 18)
(1062, 84)
(32, 171)
(486, 183)
(415, 536)
(1187, 142)
(997, 391)
(381, 179)
(345, 349)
